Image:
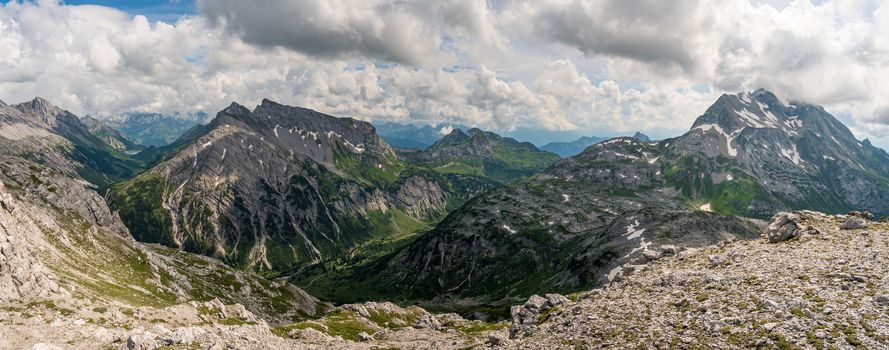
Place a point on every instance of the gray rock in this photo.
(427, 322)
(536, 302)
(363, 336)
(142, 341)
(310, 334)
(853, 223)
(785, 226)
(770, 305)
(651, 255)
(556, 299)
(495, 340)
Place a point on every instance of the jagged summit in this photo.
(454, 137)
(236, 109)
(41, 107)
(641, 137)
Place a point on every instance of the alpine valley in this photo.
(280, 227)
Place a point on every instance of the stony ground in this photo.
(826, 290)
(807, 284)
(80, 324)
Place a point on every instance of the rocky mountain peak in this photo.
(641, 137)
(90, 122)
(456, 136)
(759, 109)
(41, 107)
(457, 133)
(475, 131)
(3, 104)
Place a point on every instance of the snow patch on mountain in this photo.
(728, 138)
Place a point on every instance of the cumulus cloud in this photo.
(329, 28)
(410, 32)
(613, 65)
(651, 31)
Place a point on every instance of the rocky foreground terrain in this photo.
(807, 284)
(812, 281)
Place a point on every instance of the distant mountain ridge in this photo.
(154, 129)
(568, 149)
(482, 153)
(409, 135)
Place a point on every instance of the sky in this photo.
(550, 67)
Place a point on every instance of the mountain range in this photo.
(278, 211)
(590, 218)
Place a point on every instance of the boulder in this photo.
(427, 322)
(526, 316)
(363, 336)
(309, 334)
(854, 222)
(786, 226)
(651, 255)
(536, 302)
(496, 340)
(554, 300)
(669, 249)
(143, 341)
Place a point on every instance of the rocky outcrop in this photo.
(786, 226)
(536, 310)
(22, 275)
(856, 220)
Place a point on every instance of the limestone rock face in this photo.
(22, 274)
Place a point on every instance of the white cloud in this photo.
(552, 64)
(329, 28)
